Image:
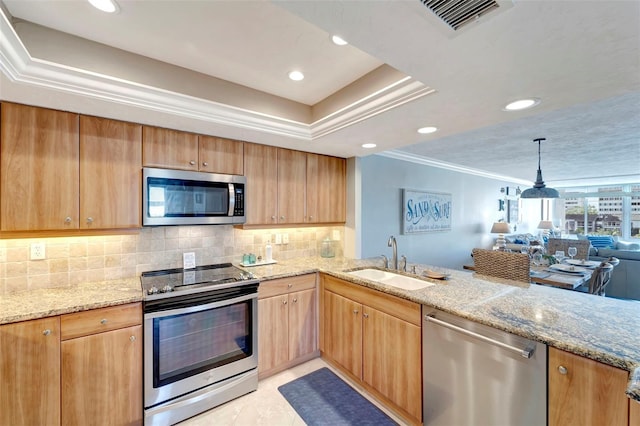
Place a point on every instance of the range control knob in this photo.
(166, 289)
(153, 290)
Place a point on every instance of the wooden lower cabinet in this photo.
(376, 339)
(30, 372)
(287, 323)
(585, 392)
(102, 366)
(634, 413)
(83, 368)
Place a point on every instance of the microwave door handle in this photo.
(232, 200)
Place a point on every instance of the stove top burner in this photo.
(166, 282)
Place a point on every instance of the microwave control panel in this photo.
(238, 209)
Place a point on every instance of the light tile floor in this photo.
(266, 406)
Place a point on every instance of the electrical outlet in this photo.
(285, 238)
(37, 251)
(278, 238)
(188, 260)
(335, 235)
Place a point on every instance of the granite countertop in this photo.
(46, 302)
(602, 329)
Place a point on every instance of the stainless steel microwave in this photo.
(177, 197)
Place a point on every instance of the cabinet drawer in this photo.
(99, 320)
(286, 285)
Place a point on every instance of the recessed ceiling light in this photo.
(522, 104)
(338, 40)
(296, 75)
(109, 6)
(427, 130)
(369, 145)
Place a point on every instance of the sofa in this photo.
(625, 280)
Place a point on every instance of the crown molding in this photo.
(20, 67)
(413, 158)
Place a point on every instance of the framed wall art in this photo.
(512, 211)
(424, 211)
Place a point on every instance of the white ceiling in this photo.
(582, 58)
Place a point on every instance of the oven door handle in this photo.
(200, 307)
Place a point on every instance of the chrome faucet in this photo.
(386, 261)
(394, 259)
(403, 260)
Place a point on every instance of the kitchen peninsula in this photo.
(599, 329)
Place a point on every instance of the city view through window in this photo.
(603, 211)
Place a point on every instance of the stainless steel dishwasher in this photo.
(477, 375)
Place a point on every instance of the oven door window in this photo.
(185, 198)
(188, 344)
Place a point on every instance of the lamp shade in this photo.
(539, 189)
(545, 224)
(500, 228)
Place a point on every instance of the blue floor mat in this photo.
(322, 398)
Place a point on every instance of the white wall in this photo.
(474, 202)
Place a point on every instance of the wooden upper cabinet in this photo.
(585, 392)
(326, 189)
(110, 173)
(261, 171)
(292, 171)
(39, 169)
(218, 155)
(168, 148)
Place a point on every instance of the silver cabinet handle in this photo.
(289, 285)
(562, 370)
(103, 321)
(365, 315)
(281, 217)
(46, 332)
(89, 220)
(284, 302)
(273, 218)
(67, 219)
(355, 311)
(295, 300)
(524, 352)
(193, 163)
(132, 338)
(204, 163)
(310, 217)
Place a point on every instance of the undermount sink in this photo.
(389, 278)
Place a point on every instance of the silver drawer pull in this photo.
(67, 219)
(193, 163)
(365, 315)
(562, 370)
(295, 300)
(132, 338)
(355, 311)
(103, 321)
(46, 332)
(284, 302)
(205, 164)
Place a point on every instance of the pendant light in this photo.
(539, 189)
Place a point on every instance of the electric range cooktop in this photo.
(172, 282)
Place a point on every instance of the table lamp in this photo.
(545, 226)
(500, 228)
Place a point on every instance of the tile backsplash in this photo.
(74, 260)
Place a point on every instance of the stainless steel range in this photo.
(200, 340)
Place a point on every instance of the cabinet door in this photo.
(261, 171)
(292, 172)
(30, 372)
(634, 412)
(110, 173)
(218, 155)
(303, 336)
(326, 189)
(343, 332)
(102, 378)
(168, 148)
(392, 359)
(273, 325)
(588, 393)
(39, 170)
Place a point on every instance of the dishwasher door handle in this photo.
(525, 352)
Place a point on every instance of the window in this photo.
(610, 210)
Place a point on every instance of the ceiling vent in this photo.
(457, 13)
